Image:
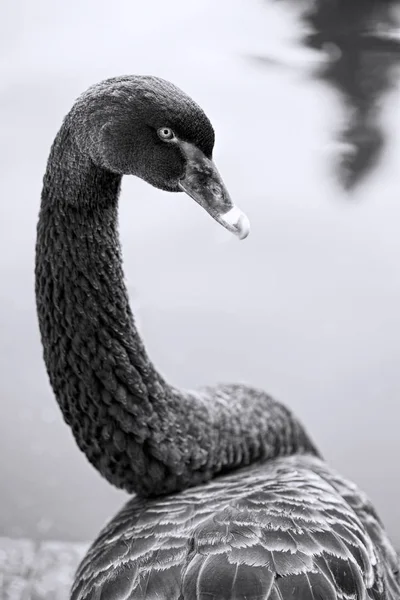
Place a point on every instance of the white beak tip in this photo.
(235, 220)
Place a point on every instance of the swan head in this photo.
(147, 127)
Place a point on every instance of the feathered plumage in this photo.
(283, 528)
(290, 529)
(141, 433)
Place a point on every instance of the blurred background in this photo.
(306, 109)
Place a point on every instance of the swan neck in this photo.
(140, 433)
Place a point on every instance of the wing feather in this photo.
(290, 529)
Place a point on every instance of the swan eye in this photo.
(166, 134)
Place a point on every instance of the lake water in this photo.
(307, 307)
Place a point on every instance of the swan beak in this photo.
(204, 184)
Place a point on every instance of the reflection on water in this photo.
(361, 44)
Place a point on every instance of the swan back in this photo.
(283, 530)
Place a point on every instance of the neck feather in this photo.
(140, 433)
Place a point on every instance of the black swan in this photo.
(233, 499)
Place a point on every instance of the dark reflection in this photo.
(361, 41)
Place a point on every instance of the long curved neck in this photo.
(140, 433)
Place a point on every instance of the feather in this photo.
(215, 578)
(287, 529)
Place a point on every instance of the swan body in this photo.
(289, 529)
(233, 499)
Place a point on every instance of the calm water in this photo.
(307, 307)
